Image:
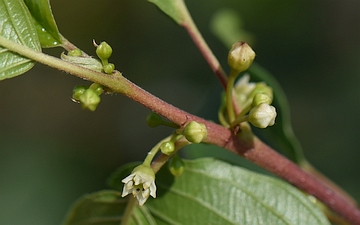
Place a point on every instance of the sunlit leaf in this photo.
(106, 208)
(16, 24)
(172, 8)
(47, 30)
(213, 192)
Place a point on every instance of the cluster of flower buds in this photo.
(255, 99)
(104, 51)
(88, 97)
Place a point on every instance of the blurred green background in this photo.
(52, 152)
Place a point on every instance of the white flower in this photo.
(243, 89)
(141, 183)
(262, 115)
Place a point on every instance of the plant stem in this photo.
(255, 151)
(201, 44)
(155, 150)
(128, 211)
(229, 96)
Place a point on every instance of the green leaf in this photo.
(114, 181)
(16, 25)
(213, 192)
(227, 25)
(45, 24)
(173, 8)
(106, 208)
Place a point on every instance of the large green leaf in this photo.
(106, 208)
(45, 24)
(213, 192)
(16, 24)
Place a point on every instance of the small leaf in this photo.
(45, 24)
(106, 208)
(16, 25)
(87, 62)
(213, 192)
(172, 8)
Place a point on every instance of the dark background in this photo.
(52, 152)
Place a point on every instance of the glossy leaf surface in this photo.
(106, 208)
(16, 25)
(213, 192)
(46, 28)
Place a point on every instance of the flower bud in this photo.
(176, 165)
(262, 115)
(97, 88)
(77, 92)
(195, 132)
(103, 51)
(261, 98)
(109, 68)
(261, 87)
(167, 147)
(240, 56)
(89, 99)
(75, 52)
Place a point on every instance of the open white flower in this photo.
(141, 183)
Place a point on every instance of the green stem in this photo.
(229, 95)
(115, 81)
(239, 120)
(154, 151)
(128, 211)
(194, 33)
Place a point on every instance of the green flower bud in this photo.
(262, 115)
(103, 51)
(97, 88)
(75, 52)
(176, 165)
(195, 132)
(89, 99)
(167, 147)
(78, 91)
(109, 68)
(261, 98)
(240, 56)
(261, 87)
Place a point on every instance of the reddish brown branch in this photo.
(256, 152)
